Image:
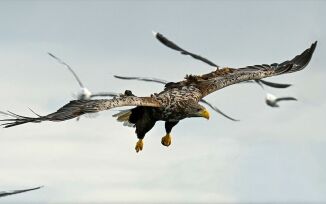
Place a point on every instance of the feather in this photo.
(79, 107)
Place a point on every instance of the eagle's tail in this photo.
(123, 116)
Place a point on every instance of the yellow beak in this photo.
(204, 113)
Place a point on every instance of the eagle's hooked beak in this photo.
(204, 113)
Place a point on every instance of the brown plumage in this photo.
(176, 102)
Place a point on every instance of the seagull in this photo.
(272, 100)
(6, 193)
(84, 93)
(164, 82)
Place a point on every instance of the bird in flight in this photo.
(179, 100)
(164, 82)
(84, 93)
(168, 43)
(174, 46)
(7, 193)
(272, 100)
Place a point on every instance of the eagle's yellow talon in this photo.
(139, 145)
(166, 140)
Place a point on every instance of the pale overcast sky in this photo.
(272, 155)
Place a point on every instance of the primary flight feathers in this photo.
(79, 107)
(174, 46)
(176, 102)
(193, 87)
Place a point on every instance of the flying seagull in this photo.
(168, 43)
(272, 100)
(84, 93)
(6, 193)
(164, 82)
(176, 102)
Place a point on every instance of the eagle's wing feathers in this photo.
(79, 107)
(162, 81)
(221, 78)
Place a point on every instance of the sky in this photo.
(271, 155)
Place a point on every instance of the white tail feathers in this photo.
(123, 116)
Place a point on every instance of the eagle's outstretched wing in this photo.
(219, 79)
(174, 46)
(6, 193)
(79, 107)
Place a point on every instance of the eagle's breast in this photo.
(175, 100)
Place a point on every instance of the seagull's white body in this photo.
(272, 100)
(84, 94)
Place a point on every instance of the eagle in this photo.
(178, 100)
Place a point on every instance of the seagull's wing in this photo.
(217, 110)
(6, 193)
(110, 94)
(70, 69)
(149, 79)
(173, 46)
(286, 99)
(273, 84)
(79, 107)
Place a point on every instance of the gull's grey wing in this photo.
(6, 193)
(272, 84)
(70, 69)
(149, 79)
(162, 81)
(217, 110)
(286, 99)
(173, 46)
(110, 94)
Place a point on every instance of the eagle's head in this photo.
(194, 109)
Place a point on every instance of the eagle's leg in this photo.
(167, 139)
(139, 145)
(142, 127)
